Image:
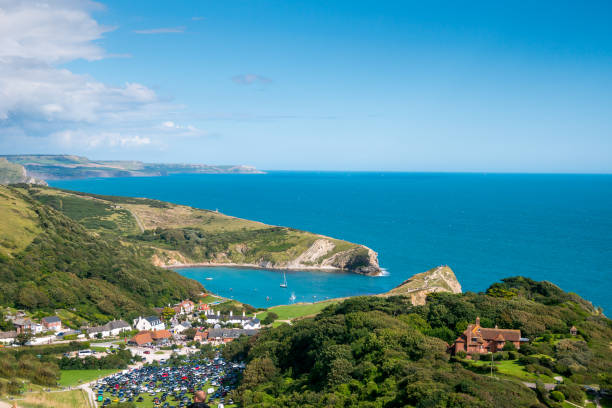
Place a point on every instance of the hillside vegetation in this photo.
(49, 261)
(178, 235)
(385, 352)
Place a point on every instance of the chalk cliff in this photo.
(438, 279)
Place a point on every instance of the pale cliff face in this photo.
(321, 254)
(439, 279)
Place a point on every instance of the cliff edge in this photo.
(438, 279)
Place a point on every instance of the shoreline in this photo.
(255, 266)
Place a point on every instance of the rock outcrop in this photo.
(439, 279)
(12, 173)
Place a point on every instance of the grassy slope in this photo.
(63, 399)
(75, 377)
(198, 235)
(18, 223)
(290, 312)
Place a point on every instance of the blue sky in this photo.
(359, 85)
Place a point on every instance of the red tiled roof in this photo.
(507, 334)
(200, 334)
(160, 334)
(142, 338)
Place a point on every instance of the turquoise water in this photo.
(485, 226)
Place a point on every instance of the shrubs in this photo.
(557, 396)
(27, 367)
(362, 353)
(572, 392)
(270, 318)
(119, 359)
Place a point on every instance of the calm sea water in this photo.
(485, 226)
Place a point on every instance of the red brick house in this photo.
(52, 323)
(477, 339)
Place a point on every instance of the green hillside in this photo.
(100, 255)
(178, 234)
(385, 352)
(49, 261)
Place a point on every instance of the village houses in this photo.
(112, 328)
(246, 322)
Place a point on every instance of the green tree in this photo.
(168, 313)
(270, 318)
(23, 338)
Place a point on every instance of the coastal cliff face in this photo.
(12, 173)
(439, 279)
(323, 254)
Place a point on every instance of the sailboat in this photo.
(284, 284)
(292, 298)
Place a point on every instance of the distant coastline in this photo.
(69, 167)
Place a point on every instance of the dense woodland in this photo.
(68, 267)
(384, 352)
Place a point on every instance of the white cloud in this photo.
(85, 140)
(49, 31)
(40, 98)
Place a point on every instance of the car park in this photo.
(171, 383)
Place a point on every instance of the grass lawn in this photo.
(289, 312)
(209, 299)
(75, 377)
(515, 369)
(61, 399)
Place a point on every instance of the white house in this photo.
(8, 337)
(252, 324)
(27, 325)
(112, 328)
(245, 321)
(149, 323)
(179, 327)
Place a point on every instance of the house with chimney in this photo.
(247, 322)
(478, 339)
(150, 323)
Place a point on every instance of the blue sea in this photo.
(484, 226)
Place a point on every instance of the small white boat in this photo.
(292, 297)
(284, 284)
(209, 278)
